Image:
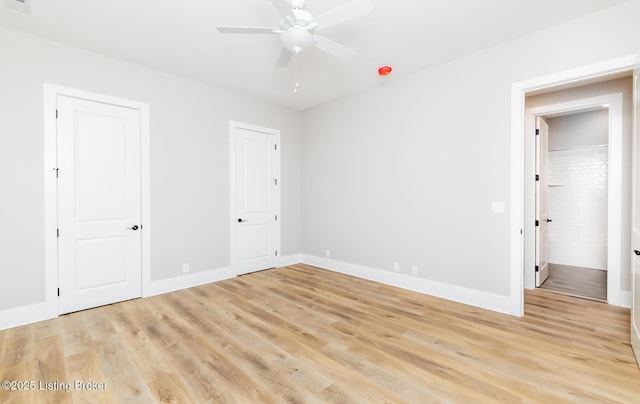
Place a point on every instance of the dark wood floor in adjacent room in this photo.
(305, 335)
(577, 281)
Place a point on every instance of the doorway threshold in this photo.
(586, 283)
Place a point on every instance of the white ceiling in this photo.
(179, 37)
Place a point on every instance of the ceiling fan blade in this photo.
(334, 48)
(247, 30)
(284, 9)
(284, 58)
(345, 12)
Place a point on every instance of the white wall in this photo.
(577, 204)
(578, 162)
(579, 130)
(189, 132)
(407, 172)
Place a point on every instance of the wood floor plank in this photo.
(85, 367)
(21, 371)
(263, 356)
(19, 345)
(116, 365)
(76, 333)
(99, 323)
(195, 372)
(295, 341)
(306, 335)
(51, 368)
(577, 281)
(169, 388)
(225, 358)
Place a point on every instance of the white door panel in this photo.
(100, 165)
(256, 241)
(100, 262)
(98, 203)
(542, 216)
(635, 237)
(257, 168)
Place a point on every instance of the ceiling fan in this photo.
(297, 28)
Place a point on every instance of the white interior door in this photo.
(257, 171)
(542, 215)
(99, 244)
(635, 237)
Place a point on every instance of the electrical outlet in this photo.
(414, 270)
(396, 267)
(327, 253)
(185, 268)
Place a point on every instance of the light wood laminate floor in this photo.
(577, 281)
(305, 335)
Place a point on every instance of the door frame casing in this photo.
(233, 125)
(51, 93)
(614, 185)
(517, 195)
(635, 192)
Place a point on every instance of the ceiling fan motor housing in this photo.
(296, 39)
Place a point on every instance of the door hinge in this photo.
(276, 253)
(276, 218)
(537, 223)
(56, 114)
(58, 292)
(275, 147)
(58, 233)
(537, 132)
(537, 177)
(537, 268)
(275, 181)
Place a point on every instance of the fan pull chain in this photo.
(296, 73)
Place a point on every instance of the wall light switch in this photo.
(498, 207)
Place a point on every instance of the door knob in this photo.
(241, 220)
(549, 220)
(134, 227)
(637, 252)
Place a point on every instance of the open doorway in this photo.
(588, 122)
(575, 192)
(522, 244)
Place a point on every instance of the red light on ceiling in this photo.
(385, 70)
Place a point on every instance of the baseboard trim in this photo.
(38, 312)
(202, 278)
(489, 301)
(18, 316)
(191, 280)
(287, 260)
(626, 299)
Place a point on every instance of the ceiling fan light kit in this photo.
(298, 26)
(297, 39)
